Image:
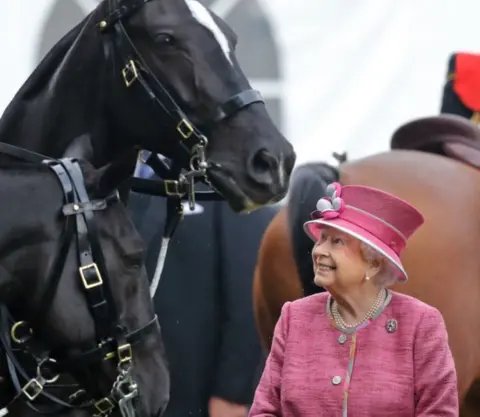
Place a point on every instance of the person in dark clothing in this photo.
(204, 304)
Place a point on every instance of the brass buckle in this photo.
(124, 353)
(32, 389)
(185, 128)
(171, 188)
(93, 284)
(13, 331)
(129, 73)
(104, 405)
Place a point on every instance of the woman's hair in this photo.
(387, 276)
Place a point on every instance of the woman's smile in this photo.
(323, 268)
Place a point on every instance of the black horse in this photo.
(74, 295)
(159, 75)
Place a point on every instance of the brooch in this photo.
(391, 325)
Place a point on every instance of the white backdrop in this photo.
(353, 70)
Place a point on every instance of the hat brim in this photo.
(313, 227)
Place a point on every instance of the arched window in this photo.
(257, 50)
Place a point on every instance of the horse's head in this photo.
(177, 77)
(74, 274)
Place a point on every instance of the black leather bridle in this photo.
(113, 341)
(136, 73)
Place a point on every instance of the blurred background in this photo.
(338, 75)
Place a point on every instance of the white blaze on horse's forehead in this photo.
(203, 16)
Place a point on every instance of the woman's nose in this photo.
(321, 248)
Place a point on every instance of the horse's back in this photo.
(441, 188)
(397, 169)
(442, 256)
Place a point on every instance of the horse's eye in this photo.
(134, 260)
(165, 39)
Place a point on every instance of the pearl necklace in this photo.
(377, 304)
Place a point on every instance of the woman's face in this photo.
(338, 261)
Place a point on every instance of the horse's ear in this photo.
(113, 175)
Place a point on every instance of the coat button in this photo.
(336, 380)
(342, 339)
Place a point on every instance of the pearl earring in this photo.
(367, 278)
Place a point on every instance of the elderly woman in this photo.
(359, 349)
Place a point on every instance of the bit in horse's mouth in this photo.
(228, 187)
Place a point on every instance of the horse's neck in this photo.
(61, 108)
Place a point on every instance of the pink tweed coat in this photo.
(399, 365)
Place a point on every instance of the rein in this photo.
(112, 340)
(160, 188)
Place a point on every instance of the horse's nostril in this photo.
(264, 161)
(263, 167)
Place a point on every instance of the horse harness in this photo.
(113, 340)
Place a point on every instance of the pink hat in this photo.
(377, 218)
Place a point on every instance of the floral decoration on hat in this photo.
(331, 206)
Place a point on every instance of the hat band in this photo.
(378, 227)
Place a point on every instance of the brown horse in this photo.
(433, 173)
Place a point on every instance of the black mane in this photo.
(308, 184)
(57, 96)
